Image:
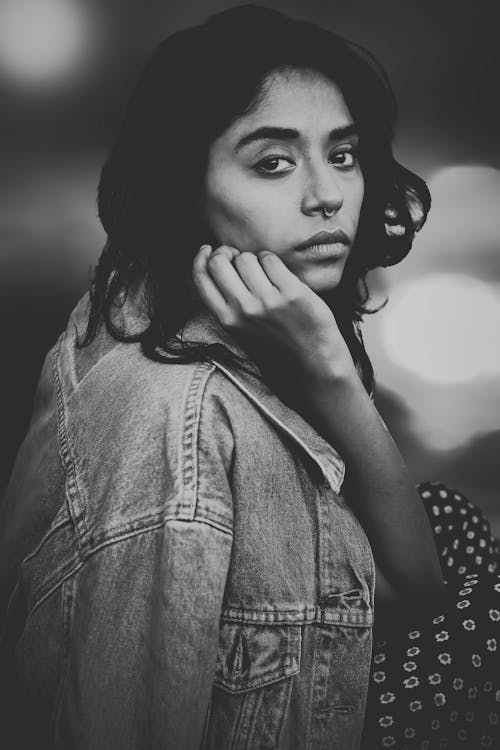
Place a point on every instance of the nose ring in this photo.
(327, 213)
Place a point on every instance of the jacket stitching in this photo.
(65, 453)
(306, 615)
(215, 519)
(144, 522)
(100, 361)
(115, 540)
(190, 435)
(46, 538)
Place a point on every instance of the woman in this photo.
(208, 510)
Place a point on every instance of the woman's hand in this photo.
(259, 298)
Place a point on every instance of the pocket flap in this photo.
(250, 656)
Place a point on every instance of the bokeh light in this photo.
(444, 327)
(45, 43)
(462, 233)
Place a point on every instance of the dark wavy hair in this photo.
(198, 81)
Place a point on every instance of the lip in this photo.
(338, 236)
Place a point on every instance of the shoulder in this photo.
(152, 443)
(129, 403)
(108, 372)
(154, 389)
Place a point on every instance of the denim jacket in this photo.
(185, 570)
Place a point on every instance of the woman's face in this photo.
(274, 172)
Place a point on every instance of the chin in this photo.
(322, 281)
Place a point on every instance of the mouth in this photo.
(325, 245)
(330, 251)
(335, 241)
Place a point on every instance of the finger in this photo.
(279, 275)
(255, 277)
(227, 251)
(229, 282)
(207, 288)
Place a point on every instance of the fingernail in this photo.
(205, 247)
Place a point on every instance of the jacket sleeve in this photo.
(142, 622)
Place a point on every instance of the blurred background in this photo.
(66, 70)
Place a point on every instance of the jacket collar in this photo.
(204, 327)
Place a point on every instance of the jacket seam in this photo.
(307, 615)
(78, 383)
(190, 436)
(46, 537)
(67, 458)
(116, 540)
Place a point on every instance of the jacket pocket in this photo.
(251, 656)
(253, 685)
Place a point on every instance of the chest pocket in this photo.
(251, 656)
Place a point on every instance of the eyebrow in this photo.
(290, 134)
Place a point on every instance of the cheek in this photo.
(242, 217)
(224, 201)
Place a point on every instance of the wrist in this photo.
(339, 392)
(332, 375)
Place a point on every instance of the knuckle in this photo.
(269, 258)
(216, 258)
(229, 319)
(244, 258)
(226, 250)
(292, 293)
(252, 309)
(276, 303)
(199, 278)
(197, 270)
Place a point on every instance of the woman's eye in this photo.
(270, 165)
(278, 165)
(344, 159)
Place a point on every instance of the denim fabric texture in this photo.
(181, 567)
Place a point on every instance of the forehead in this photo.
(298, 98)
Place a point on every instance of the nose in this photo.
(322, 191)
